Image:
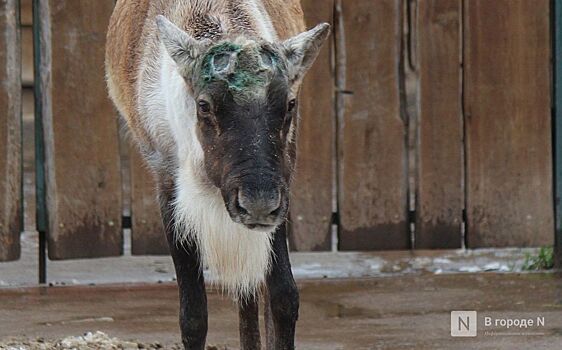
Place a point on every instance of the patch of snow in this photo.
(470, 269)
(493, 266)
(504, 268)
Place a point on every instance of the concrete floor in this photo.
(398, 312)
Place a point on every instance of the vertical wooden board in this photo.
(27, 56)
(147, 231)
(26, 12)
(10, 132)
(311, 200)
(558, 128)
(372, 141)
(440, 196)
(508, 123)
(81, 134)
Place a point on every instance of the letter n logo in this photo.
(463, 323)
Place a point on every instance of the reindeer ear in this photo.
(182, 47)
(302, 49)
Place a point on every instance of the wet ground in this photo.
(399, 312)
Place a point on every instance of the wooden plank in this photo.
(10, 133)
(81, 134)
(508, 123)
(440, 197)
(312, 190)
(27, 56)
(558, 128)
(26, 12)
(147, 231)
(41, 86)
(372, 142)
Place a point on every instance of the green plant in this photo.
(544, 260)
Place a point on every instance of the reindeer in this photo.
(209, 90)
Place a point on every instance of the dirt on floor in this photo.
(89, 340)
(399, 312)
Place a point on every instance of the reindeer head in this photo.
(245, 92)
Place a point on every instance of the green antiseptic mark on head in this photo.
(241, 67)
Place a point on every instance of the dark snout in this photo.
(258, 205)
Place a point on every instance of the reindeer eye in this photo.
(204, 106)
(291, 105)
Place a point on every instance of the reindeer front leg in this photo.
(283, 294)
(248, 311)
(193, 298)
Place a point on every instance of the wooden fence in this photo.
(423, 124)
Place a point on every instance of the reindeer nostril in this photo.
(276, 212)
(277, 206)
(239, 207)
